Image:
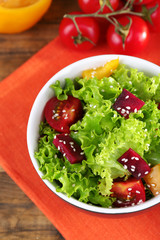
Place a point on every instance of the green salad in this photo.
(117, 142)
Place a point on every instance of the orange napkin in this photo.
(17, 94)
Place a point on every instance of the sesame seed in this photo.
(64, 142)
(74, 150)
(129, 189)
(58, 147)
(153, 184)
(119, 108)
(64, 154)
(140, 201)
(123, 111)
(133, 204)
(60, 140)
(135, 110)
(55, 137)
(72, 110)
(127, 97)
(146, 172)
(119, 201)
(71, 143)
(136, 158)
(128, 107)
(55, 155)
(125, 166)
(64, 110)
(132, 169)
(132, 158)
(148, 185)
(138, 192)
(123, 159)
(127, 112)
(64, 167)
(157, 193)
(61, 128)
(132, 166)
(81, 153)
(139, 174)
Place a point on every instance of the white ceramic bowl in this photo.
(46, 93)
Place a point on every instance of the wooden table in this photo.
(19, 217)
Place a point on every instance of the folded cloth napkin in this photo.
(17, 94)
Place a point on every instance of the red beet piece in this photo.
(127, 103)
(133, 162)
(62, 114)
(159, 106)
(69, 148)
(128, 193)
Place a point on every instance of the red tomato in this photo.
(128, 193)
(60, 115)
(155, 16)
(140, 2)
(91, 6)
(88, 27)
(136, 39)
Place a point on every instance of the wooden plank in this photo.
(15, 49)
(20, 219)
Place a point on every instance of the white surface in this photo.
(46, 93)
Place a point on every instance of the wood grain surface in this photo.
(19, 217)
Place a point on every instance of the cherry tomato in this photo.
(87, 26)
(91, 6)
(136, 39)
(128, 193)
(140, 2)
(60, 115)
(155, 16)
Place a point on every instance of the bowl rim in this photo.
(89, 207)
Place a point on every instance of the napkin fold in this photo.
(17, 94)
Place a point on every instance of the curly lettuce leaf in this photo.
(75, 180)
(93, 90)
(138, 83)
(62, 93)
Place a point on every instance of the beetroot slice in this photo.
(127, 103)
(69, 148)
(133, 162)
